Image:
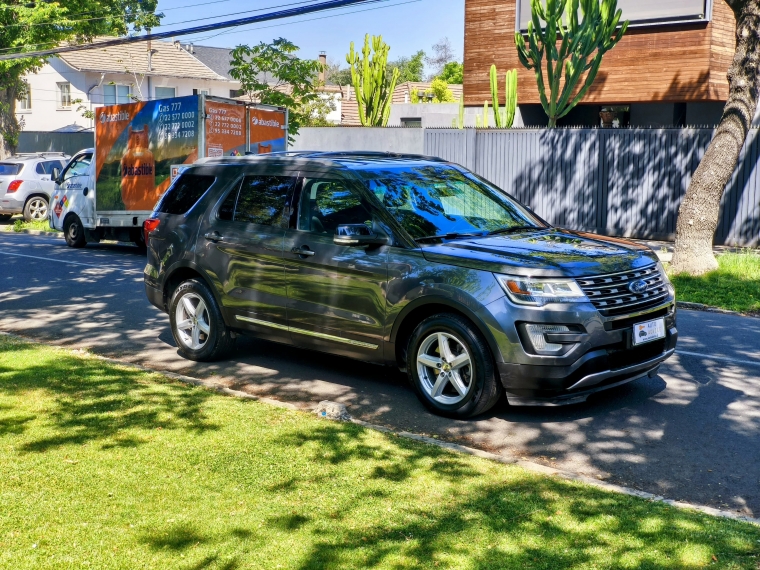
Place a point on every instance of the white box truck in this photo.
(108, 191)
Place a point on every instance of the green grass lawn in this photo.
(735, 285)
(110, 467)
(19, 224)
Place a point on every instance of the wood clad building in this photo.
(658, 66)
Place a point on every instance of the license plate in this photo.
(648, 331)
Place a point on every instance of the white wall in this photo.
(399, 140)
(46, 116)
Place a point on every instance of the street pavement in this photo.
(691, 434)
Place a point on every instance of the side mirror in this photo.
(56, 175)
(357, 234)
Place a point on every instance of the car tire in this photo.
(36, 209)
(73, 232)
(202, 337)
(469, 386)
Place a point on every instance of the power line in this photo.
(306, 20)
(288, 13)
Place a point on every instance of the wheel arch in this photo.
(417, 311)
(179, 273)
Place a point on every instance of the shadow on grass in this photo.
(94, 401)
(523, 521)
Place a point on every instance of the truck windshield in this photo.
(442, 200)
(10, 168)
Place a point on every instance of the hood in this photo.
(543, 253)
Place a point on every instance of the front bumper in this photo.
(607, 359)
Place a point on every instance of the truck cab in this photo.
(73, 207)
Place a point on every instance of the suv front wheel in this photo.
(197, 324)
(451, 367)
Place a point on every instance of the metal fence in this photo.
(36, 141)
(618, 182)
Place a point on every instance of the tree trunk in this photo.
(9, 127)
(700, 209)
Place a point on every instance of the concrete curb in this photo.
(708, 309)
(454, 447)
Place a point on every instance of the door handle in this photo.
(214, 236)
(301, 251)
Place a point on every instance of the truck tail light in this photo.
(150, 225)
(14, 185)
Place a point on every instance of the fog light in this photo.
(538, 340)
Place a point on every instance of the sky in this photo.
(406, 25)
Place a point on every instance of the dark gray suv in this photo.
(405, 261)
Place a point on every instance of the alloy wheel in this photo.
(192, 321)
(445, 368)
(38, 209)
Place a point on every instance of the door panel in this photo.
(243, 255)
(336, 294)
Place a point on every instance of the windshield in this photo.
(10, 168)
(437, 200)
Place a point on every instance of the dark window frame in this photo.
(162, 205)
(237, 186)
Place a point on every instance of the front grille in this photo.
(611, 296)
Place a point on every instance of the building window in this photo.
(64, 95)
(165, 92)
(236, 93)
(201, 92)
(25, 103)
(411, 122)
(116, 94)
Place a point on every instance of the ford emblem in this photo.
(638, 287)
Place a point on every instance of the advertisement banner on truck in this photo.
(225, 129)
(136, 144)
(267, 131)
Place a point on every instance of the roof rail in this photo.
(41, 153)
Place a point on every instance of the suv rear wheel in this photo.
(197, 323)
(35, 209)
(451, 367)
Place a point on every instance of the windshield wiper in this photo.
(450, 235)
(512, 229)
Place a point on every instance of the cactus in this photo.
(374, 91)
(458, 122)
(485, 114)
(571, 45)
(504, 118)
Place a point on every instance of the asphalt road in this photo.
(692, 433)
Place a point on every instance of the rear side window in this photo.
(184, 193)
(9, 169)
(259, 200)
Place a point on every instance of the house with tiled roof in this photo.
(67, 86)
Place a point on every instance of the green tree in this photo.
(27, 25)
(336, 74)
(314, 112)
(409, 68)
(453, 73)
(582, 43)
(272, 75)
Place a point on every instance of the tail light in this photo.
(150, 225)
(14, 185)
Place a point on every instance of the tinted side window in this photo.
(48, 166)
(262, 199)
(184, 193)
(40, 169)
(325, 204)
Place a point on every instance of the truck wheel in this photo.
(197, 323)
(451, 367)
(35, 209)
(73, 231)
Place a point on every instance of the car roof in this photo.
(350, 160)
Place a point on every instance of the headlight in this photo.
(539, 292)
